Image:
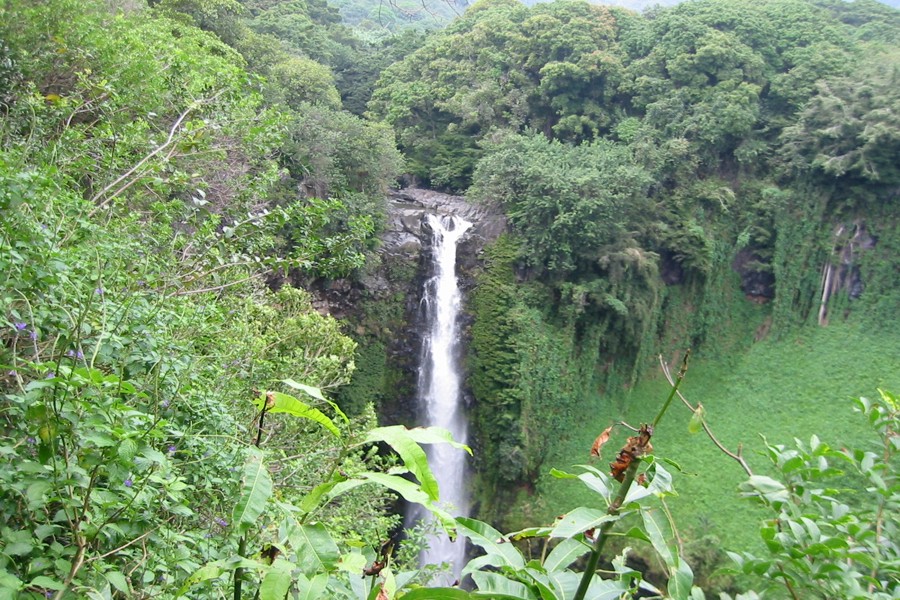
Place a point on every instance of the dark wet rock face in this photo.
(757, 279)
(382, 305)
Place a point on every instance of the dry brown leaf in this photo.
(375, 569)
(601, 439)
(382, 595)
(636, 447)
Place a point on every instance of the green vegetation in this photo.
(776, 389)
(719, 175)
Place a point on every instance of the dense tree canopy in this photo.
(167, 165)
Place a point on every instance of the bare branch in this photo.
(738, 456)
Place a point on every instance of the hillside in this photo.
(212, 297)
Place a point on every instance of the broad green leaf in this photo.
(599, 589)
(255, 491)
(565, 553)
(118, 580)
(312, 391)
(498, 587)
(283, 403)
(410, 492)
(413, 493)
(680, 581)
(657, 527)
(547, 588)
(765, 489)
(390, 585)
(43, 581)
(215, 570)
(277, 582)
(635, 492)
(637, 533)
(316, 393)
(35, 494)
(315, 548)
(595, 480)
(102, 594)
(435, 594)
(9, 582)
(427, 435)
(412, 454)
(352, 562)
(153, 455)
(491, 541)
(311, 501)
(580, 520)
(205, 573)
(19, 548)
(530, 532)
(311, 589)
(127, 449)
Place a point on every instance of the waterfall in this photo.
(439, 385)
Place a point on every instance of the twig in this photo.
(738, 456)
(217, 288)
(140, 163)
(123, 546)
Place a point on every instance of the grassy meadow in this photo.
(779, 389)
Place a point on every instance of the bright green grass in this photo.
(782, 389)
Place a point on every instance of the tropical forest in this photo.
(449, 300)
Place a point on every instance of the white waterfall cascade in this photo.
(439, 385)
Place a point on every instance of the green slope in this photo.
(793, 387)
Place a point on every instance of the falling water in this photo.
(439, 384)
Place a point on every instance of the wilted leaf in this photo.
(601, 439)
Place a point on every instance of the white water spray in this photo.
(440, 382)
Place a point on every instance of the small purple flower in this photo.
(33, 335)
(31, 440)
(164, 404)
(48, 594)
(73, 354)
(172, 449)
(129, 483)
(141, 283)
(99, 291)
(221, 522)
(79, 355)
(50, 375)
(208, 535)
(20, 326)
(13, 373)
